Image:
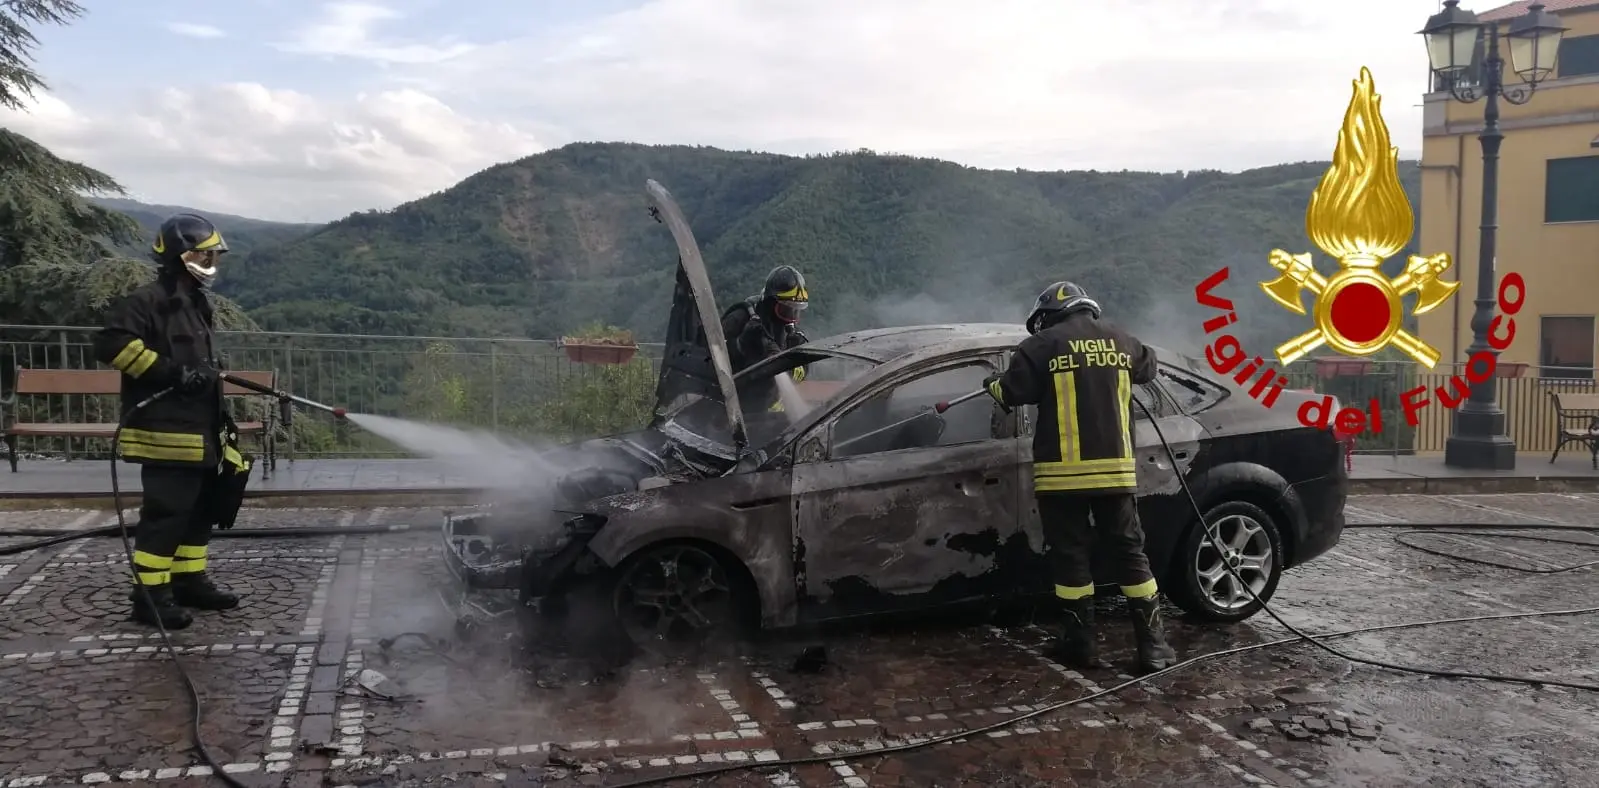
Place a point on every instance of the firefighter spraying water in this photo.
(1079, 370)
(161, 337)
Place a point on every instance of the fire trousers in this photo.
(174, 522)
(1074, 522)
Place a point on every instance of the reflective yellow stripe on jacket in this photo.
(163, 446)
(134, 359)
(232, 456)
(1072, 473)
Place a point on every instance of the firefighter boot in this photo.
(194, 589)
(160, 609)
(1153, 652)
(1077, 647)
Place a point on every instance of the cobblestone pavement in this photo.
(90, 698)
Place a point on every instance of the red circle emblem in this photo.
(1360, 312)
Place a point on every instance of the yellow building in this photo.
(1548, 223)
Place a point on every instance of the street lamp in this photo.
(1478, 439)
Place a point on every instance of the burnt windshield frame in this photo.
(704, 428)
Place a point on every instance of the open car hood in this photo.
(695, 365)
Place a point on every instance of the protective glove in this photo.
(754, 336)
(197, 379)
(988, 386)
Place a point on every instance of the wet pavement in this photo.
(312, 681)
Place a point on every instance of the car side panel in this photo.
(905, 529)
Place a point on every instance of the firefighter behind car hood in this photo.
(762, 326)
(189, 243)
(1079, 370)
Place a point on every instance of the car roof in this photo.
(886, 344)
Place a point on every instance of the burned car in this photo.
(864, 495)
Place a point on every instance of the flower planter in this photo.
(583, 352)
(1338, 367)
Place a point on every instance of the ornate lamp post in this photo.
(1478, 438)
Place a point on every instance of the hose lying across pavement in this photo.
(57, 536)
(54, 537)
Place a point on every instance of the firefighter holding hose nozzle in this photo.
(1079, 369)
(765, 325)
(161, 338)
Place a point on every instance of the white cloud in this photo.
(1037, 83)
(345, 30)
(195, 31)
(275, 154)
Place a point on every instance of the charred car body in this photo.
(859, 497)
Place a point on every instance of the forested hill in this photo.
(243, 234)
(540, 246)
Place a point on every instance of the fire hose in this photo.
(286, 401)
(937, 408)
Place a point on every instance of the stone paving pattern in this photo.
(320, 477)
(90, 699)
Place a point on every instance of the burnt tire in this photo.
(677, 597)
(1200, 584)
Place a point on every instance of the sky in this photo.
(305, 110)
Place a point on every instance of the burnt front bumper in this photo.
(481, 556)
(476, 559)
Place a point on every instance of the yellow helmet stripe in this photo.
(213, 240)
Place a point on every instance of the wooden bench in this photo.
(1576, 421)
(108, 382)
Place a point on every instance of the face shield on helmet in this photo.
(202, 265)
(192, 242)
(788, 310)
(785, 291)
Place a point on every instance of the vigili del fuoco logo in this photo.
(1358, 214)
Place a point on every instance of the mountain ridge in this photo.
(538, 246)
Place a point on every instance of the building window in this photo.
(1578, 56)
(1566, 347)
(1571, 190)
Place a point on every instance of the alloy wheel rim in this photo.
(1248, 549)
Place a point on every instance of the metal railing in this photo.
(1526, 399)
(512, 386)
(531, 388)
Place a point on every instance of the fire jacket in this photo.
(750, 340)
(1080, 373)
(149, 336)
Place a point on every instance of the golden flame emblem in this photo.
(1359, 214)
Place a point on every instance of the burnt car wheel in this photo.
(1252, 545)
(674, 596)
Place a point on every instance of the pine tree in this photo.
(56, 248)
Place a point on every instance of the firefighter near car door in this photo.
(1080, 370)
(161, 338)
(1080, 373)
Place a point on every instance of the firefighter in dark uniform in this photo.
(160, 337)
(1079, 369)
(762, 326)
